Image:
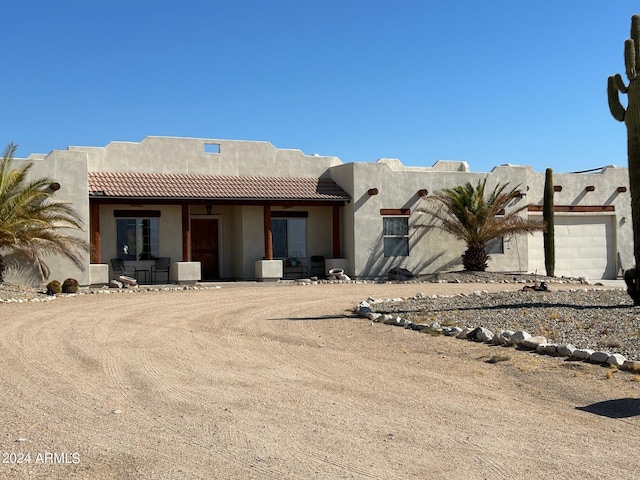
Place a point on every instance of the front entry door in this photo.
(204, 246)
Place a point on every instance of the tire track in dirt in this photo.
(27, 340)
(140, 372)
(201, 446)
(168, 389)
(284, 356)
(115, 376)
(252, 323)
(297, 320)
(120, 368)
(313, 460)
(317, 457)
(265, 433)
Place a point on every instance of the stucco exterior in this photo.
(190, 156)
(350, 232)
(69, 169)
(431, 250)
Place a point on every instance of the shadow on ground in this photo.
(618, 408)
(322, 317)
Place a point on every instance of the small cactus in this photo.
(70, 285)
(54, 287)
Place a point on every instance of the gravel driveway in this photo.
(284, 382)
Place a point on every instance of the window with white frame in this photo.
(289, 237)
(137, 238)
(395, 236)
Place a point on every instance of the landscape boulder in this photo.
(399, 274)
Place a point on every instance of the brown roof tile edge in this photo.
(183, 186)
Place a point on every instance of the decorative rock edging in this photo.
(46, 298)
(520, 339)
(38, 296)
(35, 295)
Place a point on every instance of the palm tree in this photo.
(32, 223)
(465, 213)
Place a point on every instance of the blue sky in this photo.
(488, 82)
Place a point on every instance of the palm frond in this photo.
(469, 214)
(32, 221)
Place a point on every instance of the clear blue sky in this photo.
(491, 82)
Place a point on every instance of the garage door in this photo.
(585, 247)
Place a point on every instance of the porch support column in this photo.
(94, 229)
(336, 232)
(186, 234)
(268, 235)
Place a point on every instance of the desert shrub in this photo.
(70, 285)
(54, 287)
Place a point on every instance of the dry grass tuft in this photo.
(613, 342)
(499, 358)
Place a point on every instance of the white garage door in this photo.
(585, 247)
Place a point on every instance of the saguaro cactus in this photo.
(549, 232)
(631, 117)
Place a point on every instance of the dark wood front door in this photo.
(204, 246)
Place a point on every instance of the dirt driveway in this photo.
(282, 382)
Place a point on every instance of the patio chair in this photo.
(318, 266)
(162, 265)
(119, 268)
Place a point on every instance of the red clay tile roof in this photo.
(168, 186)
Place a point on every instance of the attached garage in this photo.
(585, 246)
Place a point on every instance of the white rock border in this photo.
(519, 339)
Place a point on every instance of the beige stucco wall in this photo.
(188, 156)
(69, 169)
(343, 176)
(431, 250)
(319, 232)
(252, 239)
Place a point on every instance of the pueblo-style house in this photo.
(231, 210)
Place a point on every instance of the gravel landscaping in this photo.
(599, 319)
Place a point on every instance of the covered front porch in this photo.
(211, 227)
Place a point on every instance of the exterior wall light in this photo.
(208, 209)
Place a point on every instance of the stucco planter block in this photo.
(98, 274)
(185, 272)
(269, 270)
